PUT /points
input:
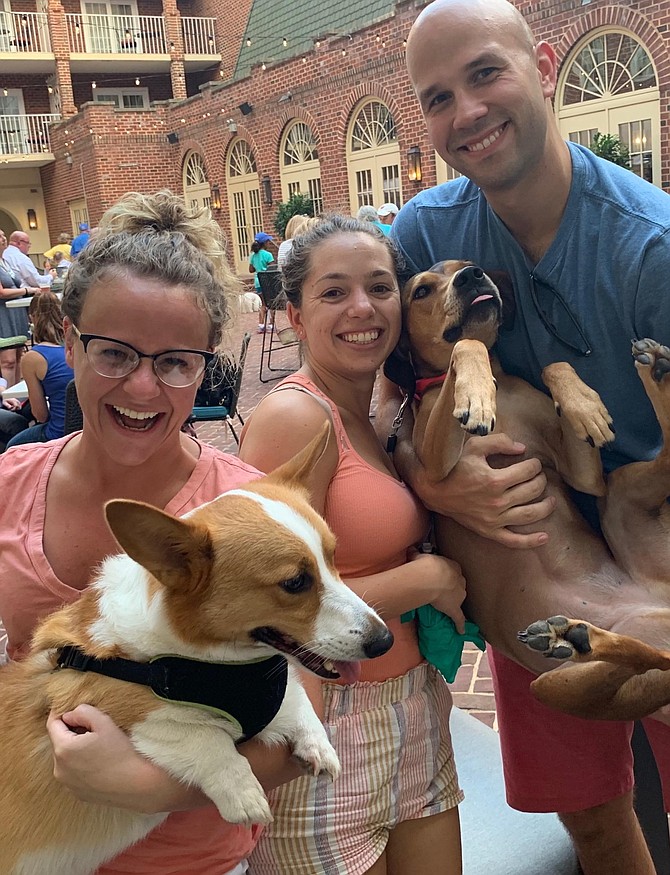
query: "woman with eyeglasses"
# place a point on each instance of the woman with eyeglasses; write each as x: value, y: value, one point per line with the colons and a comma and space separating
x: 145, y: 305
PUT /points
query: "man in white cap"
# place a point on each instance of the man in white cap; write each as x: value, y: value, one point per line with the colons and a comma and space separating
x: 387, y: 213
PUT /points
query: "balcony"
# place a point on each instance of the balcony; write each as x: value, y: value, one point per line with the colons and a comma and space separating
x: 199, y: 42
x: 132, y: 40
x: 128, y: 40
x: 24, y: 43
x: 25, y: 140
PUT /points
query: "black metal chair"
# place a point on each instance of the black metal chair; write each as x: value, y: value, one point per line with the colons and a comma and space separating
x: 217, y: 398
x: 274, y: 338
x: 74, y: 418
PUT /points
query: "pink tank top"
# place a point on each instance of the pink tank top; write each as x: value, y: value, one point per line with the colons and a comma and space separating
x: 376, y: 519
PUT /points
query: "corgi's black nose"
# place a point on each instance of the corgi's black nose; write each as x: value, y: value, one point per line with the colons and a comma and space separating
x: 469, y: 277
x: 378, y: 645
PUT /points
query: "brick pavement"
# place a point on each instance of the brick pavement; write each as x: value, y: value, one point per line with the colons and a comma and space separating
x: 472, y: 689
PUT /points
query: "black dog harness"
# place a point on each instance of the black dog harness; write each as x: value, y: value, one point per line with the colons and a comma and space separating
x: 247, y: 694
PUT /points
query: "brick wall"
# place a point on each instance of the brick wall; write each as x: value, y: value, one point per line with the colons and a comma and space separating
x: 130, y: 150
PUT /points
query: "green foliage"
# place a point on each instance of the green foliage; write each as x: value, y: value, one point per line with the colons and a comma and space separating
x: 296, y: 204
x: 611, y: 148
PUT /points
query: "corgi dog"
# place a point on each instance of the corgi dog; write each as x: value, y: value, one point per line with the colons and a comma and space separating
x: 239, y: 592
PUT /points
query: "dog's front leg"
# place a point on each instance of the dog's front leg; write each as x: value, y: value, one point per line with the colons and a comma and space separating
x: 297, y: 724
x: 585, y: 426
x: 197, y: 749
x: 466, y: 403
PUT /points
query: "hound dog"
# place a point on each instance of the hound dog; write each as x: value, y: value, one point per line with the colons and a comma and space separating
x: 452, y: 315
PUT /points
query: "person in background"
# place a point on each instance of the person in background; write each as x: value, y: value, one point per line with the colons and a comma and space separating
x: 386, y: 214
x: 45, y: 371
x: 369, y: 214
x: 63, y: 246
x: 11, y: 423
x: 295, y: 225
x: 394, y: 809
x: 14, y: 320
x: 80, y: 240
x: 259, y: 260
x: 16, y: 256
x: 153, y: 282
x: 535, y: 206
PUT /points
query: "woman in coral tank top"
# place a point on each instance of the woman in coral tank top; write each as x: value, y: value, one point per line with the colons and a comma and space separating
x: 394, y: 808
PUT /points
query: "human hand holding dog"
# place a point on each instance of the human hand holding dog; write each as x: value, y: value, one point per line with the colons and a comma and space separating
x: 488, y: 500
x: 98, y: 763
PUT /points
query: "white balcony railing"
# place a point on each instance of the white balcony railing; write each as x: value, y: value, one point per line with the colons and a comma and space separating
x: 24, y: 32
x: 116, y: 34
x: 199, y: 37
x: 26, y: 134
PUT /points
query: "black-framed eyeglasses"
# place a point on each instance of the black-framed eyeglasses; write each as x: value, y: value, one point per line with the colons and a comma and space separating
x: 557, y: 317
x: 115, y: 359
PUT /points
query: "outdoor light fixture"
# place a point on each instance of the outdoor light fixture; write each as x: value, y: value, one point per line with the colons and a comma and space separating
x: 216, y: 197
x: 266, y: 185
x: 414, y: 164
x: 32, y: 220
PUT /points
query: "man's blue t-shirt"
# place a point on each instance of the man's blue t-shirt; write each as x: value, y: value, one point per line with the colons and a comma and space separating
x: 607, y: 263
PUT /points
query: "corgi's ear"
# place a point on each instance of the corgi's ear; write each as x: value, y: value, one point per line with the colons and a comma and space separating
x: 298, y: 470
x: 178, y: 552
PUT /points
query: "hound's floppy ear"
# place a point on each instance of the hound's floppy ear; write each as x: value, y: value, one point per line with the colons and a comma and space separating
x: 504, y: 282
x: 398, y: 366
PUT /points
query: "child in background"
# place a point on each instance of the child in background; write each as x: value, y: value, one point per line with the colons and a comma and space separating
x: 45, y: 371
x: 259, y: 260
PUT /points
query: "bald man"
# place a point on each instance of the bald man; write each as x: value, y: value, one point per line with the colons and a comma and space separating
x: 586, y: 244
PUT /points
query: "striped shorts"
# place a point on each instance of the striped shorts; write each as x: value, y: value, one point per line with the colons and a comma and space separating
x: 397, y: 764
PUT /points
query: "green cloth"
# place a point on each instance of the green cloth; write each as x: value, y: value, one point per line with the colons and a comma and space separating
x: 439, y: 642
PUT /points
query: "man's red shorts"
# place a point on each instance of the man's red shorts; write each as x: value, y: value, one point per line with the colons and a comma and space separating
x: 554, y: 762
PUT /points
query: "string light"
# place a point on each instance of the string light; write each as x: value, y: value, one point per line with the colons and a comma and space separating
x: 50, y: 89
x: 94, y: 85
x: 284, y: 42
x: 137, y: 81
x: 5, y: 92
x: 263, y: 66
x: 248, y: 42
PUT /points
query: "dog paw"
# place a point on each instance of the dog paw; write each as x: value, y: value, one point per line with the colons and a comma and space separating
x: 557, y: 638
x: 317, y: 756
x: 246, y: 805
x: 476, y: 412
x: 652, y: 356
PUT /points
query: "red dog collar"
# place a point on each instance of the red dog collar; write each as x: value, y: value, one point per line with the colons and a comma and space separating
x: 422, y: 386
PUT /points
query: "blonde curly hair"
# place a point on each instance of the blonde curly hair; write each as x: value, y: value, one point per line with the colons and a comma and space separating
x: 156, y: 236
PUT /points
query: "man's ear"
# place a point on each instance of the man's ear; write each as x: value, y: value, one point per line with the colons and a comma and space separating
x: 504, y: 283
x: 547, y: 66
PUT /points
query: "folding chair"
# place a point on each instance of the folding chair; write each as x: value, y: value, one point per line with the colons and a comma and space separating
x: 217, y: 397
x: 274, y: 338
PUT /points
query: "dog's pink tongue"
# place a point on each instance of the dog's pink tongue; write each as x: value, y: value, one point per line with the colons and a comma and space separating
x: 349, y: 672
x: 481, y: 298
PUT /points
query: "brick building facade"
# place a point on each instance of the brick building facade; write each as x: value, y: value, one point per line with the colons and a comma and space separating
x: 250, y: 101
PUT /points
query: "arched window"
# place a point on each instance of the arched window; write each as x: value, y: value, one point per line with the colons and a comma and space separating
x: 197, y: 192
x: 244, y: 198
x: 609, y: 86
x: 300, y: 168
x: 373, y: 157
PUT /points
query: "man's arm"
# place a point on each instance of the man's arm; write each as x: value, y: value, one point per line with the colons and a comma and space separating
x: 483, y: 499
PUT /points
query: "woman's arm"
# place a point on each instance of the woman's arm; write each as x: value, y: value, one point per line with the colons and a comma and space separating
x: 10, y: 293
x: 34, y: 369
